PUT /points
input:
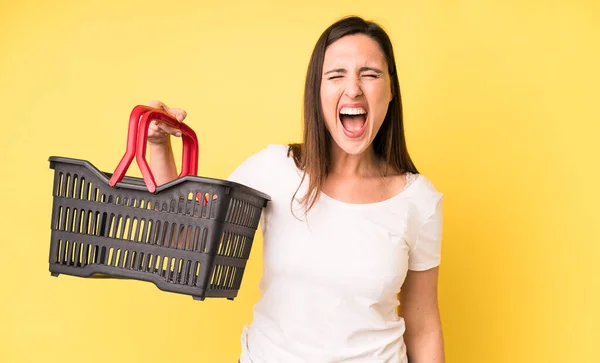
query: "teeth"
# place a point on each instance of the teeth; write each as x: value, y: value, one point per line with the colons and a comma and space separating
x: 353, y: 111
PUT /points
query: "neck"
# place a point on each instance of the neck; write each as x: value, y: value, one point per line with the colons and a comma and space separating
x: 362, y: 165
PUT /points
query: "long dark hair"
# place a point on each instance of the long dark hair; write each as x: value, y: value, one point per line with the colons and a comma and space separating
x: 312, y: 156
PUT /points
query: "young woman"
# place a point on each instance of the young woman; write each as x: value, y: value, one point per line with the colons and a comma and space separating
x: 353, y: 230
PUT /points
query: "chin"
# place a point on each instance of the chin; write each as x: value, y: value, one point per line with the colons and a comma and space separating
x: 352, y: 146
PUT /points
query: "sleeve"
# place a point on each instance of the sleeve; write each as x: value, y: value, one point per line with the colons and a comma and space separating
x: 253, y: 172
x: 426, y: 252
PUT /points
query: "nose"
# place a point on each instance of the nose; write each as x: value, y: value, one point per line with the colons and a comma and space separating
x: 352, y: 88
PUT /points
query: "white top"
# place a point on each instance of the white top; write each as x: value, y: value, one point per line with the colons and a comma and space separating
x: 330, y: 280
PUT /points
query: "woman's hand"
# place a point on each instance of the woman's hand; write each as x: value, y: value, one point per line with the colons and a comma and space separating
x: 162, y: 161
x: 159, y: 133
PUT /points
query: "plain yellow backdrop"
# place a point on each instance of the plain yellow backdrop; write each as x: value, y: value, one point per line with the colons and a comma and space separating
x: 501, y: 106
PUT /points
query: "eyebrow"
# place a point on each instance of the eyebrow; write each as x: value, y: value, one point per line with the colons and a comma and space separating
x: 362, y: 69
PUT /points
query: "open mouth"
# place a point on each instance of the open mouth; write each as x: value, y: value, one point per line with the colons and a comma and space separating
x: 353, y: 120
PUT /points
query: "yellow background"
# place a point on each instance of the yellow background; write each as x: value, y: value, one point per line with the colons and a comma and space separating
x: 501, y: 104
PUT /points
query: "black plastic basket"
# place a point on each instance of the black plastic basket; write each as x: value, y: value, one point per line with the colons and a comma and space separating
x: 191, y: 236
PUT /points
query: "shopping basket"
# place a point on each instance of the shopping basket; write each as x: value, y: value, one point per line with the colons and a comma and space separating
x: 191, y: 236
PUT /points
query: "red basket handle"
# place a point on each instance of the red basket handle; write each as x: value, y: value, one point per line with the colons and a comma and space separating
x: 137, y: 136
x: 189, y: 163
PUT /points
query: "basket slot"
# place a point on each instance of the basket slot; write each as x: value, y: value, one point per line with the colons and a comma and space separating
x: 214, y: 206
x: 110, y: 256
x: 223, y: 277
x: 86, y: 216
x: 197, y: 204
x: 196, y: 274
x: 58, y: 180
x: 76, y: 220
x: 97, y: 226
x: 215, y: 276
x: 75, y: 187
x: 76, y: 191
x: 59, y: 251
x: 128, y: 259
x: 72, y: 253
x: 86, y: 254
x: 197, y: 241
x: 176, y: 270
x: 144, y: 230
x: 69, y: 254
x: 172, y: 235
x: 237, y: 245
x: 163, y: 267
x: 126, y: 230
x: 171, y: 269
x: 243, y: 213
x: 203, y: 247
x: 64, y: 219
x: 233, y: 245
x: 124, y: 227
x: 66, y: 183
x: 224, y: 245
x: 123, y: 259
x: 180, y: 271
x: 148, y: 263
x: 230, y: 277
x: 81, y: 188
x: 59, y: 218
x: 161, y: 232
x: 186, y: 272
x: 186, y: 237
x: 135, y: 230
x: 226, y: 277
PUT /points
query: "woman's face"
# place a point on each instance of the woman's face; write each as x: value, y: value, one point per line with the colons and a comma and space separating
x: 355, y: 91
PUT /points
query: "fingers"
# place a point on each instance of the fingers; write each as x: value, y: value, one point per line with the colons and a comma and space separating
x: 157, y: 104
x: 159, y: 128
x: 177, y: 113
x: 168, y: 129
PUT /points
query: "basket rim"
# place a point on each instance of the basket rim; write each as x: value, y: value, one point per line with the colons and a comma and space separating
x: 136, y: 183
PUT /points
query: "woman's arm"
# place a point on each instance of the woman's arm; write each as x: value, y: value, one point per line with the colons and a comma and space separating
x: 419, y: 308
x: 162, y: 161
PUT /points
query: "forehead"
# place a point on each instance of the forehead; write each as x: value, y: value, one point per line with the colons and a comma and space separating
x: 354, y: 50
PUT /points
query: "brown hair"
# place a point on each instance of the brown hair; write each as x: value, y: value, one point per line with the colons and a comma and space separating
x: 312, y: 156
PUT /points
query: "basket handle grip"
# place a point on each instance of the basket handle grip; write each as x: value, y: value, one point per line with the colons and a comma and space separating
x: 189, y: 163
x: 137, y: 136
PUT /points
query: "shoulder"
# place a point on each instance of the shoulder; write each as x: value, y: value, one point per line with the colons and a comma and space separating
x: 264, y: 167
x: 426, y: 197
x: 424, y: 186
x: 267, y: 155
x: 272, y: 152
x: 279, y: 152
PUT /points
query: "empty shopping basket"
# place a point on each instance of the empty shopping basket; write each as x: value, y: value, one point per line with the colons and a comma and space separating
x: 191, y: 236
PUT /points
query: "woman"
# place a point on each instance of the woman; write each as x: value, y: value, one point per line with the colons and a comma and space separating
x: 351, y: 222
